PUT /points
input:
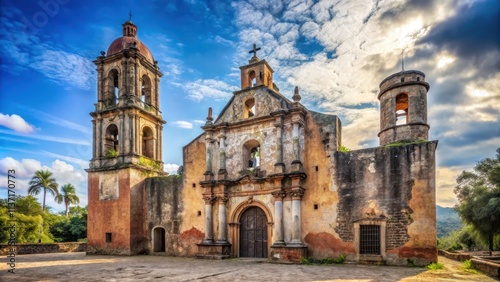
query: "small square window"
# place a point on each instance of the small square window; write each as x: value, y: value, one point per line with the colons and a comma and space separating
x: 315, y: 206
x: 194, y: 185
x: 108, y: 237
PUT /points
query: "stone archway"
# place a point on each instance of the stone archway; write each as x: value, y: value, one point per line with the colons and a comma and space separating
x: 159, y: 240
x: 253, y: 233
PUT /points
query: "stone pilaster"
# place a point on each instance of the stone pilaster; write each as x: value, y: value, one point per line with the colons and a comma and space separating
x: 279, y: 166
x: 209, y: 231
x: 94, y: 134
x: 222, y: 236
x: 296, y: 195
x: 222, y: 157
x: 278, y: 220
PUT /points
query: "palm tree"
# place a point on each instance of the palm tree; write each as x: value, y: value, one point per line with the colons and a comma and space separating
x: 43, y: 180
x: 68, y: 196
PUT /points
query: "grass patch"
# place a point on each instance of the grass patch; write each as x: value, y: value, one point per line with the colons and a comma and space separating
x: 344, y: 149
x: 111, y: 153
x: 149, y: 163
x: 467, y: 266
x: 326, y: 261
x: 405, y: 142
x: 435, y: 266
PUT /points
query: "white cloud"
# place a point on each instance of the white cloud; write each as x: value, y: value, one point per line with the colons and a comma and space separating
x: 63, y: 173
x: 209, y: 89
x: 171, y: 168
x: 85, y: 142
x: 16, y: 123
x: 183, y: 124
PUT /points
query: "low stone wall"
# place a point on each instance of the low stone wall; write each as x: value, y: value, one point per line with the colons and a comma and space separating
x: 454, y: 256
x: 488, y: 267
x: 23, y: 249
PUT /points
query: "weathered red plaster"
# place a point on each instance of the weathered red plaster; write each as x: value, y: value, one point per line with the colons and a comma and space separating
x: 325, y: 244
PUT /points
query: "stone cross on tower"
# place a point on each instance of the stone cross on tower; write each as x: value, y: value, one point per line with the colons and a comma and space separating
x: 254, y: 51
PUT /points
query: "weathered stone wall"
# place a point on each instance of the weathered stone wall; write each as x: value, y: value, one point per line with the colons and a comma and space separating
x: 320, y: 200
x: 23, y: 249
x: 120, y: 216
x: 396, y: 185
x: 192, y: 228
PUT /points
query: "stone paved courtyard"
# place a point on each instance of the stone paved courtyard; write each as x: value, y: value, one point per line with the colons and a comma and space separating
x: 80, y: 267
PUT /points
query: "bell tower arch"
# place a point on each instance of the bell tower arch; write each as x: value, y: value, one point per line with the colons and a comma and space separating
x: 127, y: 137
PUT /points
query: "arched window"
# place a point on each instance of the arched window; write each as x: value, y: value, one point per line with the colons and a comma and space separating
x: 401, y: 109
x: 252, y: 78
x: 147, y: 142
x: 251, y: 154
x: 249, y: 108
x: 146, y: 90
x: 111, y: 141
x: 113, y: 92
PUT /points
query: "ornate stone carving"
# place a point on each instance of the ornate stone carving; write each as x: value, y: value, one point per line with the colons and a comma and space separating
x: 209, y: 199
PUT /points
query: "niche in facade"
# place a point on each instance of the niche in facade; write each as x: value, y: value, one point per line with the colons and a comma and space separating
x: 251, y: 154
x: 147, y: 142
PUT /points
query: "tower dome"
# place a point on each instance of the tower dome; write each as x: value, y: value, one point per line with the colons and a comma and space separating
x: 129, y: 40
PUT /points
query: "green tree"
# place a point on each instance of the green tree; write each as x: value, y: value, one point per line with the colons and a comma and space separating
x: 478, y: 194
x: 43, y: 180
x: 68, y: 196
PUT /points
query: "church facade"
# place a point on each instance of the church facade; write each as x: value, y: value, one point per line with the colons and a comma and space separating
x: 267, y: 178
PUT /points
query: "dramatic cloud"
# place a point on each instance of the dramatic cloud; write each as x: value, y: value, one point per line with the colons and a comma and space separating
x: 22, y: 49
x: 16, y: 123
x: 338, y: 52
x: 208, y: 89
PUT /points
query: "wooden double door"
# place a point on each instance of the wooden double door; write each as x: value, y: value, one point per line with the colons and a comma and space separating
x: 253, y: 233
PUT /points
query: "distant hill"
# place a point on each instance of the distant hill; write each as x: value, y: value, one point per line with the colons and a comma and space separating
x: 447, y: 221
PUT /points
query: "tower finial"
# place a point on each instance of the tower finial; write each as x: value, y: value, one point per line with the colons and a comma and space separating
x: 296, y: 96
x: 130, y: 16
x: 402, y: 60
x: 209, y: 117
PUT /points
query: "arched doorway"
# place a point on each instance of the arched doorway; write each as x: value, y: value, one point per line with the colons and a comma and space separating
x: 159, y: 240
x: 253, y: 233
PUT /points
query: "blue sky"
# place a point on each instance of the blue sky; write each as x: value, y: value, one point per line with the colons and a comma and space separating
x: 336, y: 52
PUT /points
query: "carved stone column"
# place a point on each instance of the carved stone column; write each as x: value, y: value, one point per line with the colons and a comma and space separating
x: 278, y: 220
x: 209, y: 230
x: 279, y: 166
x: 222, y: 236
x: 296, y: 217
x: 222, y: 155
x: 94, y: 135
x: 296, y: 163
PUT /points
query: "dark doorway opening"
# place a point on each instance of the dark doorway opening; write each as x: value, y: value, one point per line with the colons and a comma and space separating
x: 253, y: 233
x: 159, y: 240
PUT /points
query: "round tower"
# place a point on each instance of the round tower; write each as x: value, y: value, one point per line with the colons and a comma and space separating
x: 403, y: 107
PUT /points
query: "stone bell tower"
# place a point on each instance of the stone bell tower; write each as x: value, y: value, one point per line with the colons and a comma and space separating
x: 403, y: 107
x: 127, y: 138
